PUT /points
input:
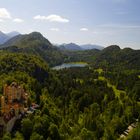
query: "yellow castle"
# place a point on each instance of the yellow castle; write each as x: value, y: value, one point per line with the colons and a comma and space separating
x: 14, y: 99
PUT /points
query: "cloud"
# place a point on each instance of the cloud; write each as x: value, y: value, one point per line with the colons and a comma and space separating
x: 4, y: 14
x: 38, y: 17
x: 52, y: 18
x: 57, y: 18
x: 84, y: 29
x: 1, y: 20
x: 55, y: 29
x: 18, y: 20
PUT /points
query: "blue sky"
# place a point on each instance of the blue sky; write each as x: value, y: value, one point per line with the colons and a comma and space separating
x: 102, y: 22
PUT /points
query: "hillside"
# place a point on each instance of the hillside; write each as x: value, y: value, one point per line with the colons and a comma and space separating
x: 34, y: 43
x: 86, y: 55
x: 114, y: 57
x: 30, y: 64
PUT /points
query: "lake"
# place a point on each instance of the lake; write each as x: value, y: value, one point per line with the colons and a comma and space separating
x: 69, y: 65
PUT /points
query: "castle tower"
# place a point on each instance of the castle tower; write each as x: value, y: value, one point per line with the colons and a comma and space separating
x: 4, y: 89
x: 19, y: 93
x: 2, y: 104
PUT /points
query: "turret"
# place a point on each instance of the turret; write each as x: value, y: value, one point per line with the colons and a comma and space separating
x: 2, y: 104
x: 4, y: 89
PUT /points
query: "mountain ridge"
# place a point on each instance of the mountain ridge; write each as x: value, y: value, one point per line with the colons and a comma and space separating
x: 25, y: 40
x: 91, y: 46
x: 4, y: 37
x: 70, y: 47
x: 76, y: 47
x: 34, y: 43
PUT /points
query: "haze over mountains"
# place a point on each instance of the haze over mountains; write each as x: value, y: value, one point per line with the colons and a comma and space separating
x: 70, y: 46
x: 75, y: 47
x: 6, y: 36
x: 35, y: 43
x: 91, y: 46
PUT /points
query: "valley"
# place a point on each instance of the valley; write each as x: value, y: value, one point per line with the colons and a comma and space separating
x: 82, y: 94
x: 70, y: 70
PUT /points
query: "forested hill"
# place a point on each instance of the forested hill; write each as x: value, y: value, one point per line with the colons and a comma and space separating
x: 29, y: 64
x: 34, y: 43
x: 114, y: 57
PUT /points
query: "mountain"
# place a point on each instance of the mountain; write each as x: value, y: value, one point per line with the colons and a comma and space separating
x: 70, y: 47
x: 90, y: 46
x: 3, y: 37
x: 33, y: 39
x: 6, y: 36
x: 12, y: 34
x: 34, y: 43
x: 75, y: 47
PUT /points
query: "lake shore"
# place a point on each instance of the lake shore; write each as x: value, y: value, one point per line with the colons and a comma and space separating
x: 69, y: 65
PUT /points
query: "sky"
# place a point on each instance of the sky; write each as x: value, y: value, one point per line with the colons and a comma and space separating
x: 101, y: 22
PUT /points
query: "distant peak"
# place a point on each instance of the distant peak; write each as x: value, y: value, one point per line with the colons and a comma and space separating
x: 13, y: 33
x: 1, y: 32
x: 71, y: 44
x: 92, y: 46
